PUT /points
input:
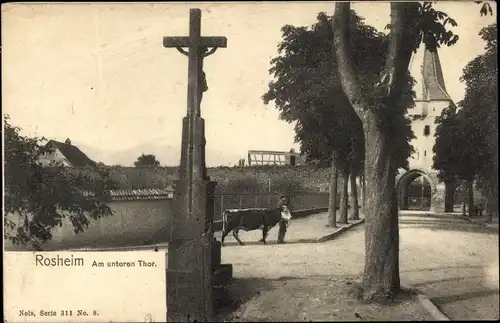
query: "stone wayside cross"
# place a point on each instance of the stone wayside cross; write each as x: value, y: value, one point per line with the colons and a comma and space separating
x: 193, y: 252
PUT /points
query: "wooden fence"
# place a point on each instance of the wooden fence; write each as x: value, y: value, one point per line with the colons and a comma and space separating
x: 298, y: 201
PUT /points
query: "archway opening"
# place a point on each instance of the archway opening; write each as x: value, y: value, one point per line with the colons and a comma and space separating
x: 414, y: 192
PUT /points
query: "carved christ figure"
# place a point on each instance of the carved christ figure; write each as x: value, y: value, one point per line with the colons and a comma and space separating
x: 203, y: 86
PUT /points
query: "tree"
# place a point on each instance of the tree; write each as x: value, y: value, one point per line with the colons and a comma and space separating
x: 332, y: 198
x: 146, y: 161
x: 473, y: 153
x: 473, y: 129
x: 307, y: 90
x: 382, y: 110
x: 41, y: 197
x: 354, y: 198
x: 446, y: 156
x: 344, y: 197
x: 463, y: 159
x: 480, y: 109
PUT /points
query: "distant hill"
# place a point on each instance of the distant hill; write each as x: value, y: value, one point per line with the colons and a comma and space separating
x: 167, y: 154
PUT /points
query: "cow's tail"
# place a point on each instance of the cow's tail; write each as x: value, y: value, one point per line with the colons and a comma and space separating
x: 224, y: 221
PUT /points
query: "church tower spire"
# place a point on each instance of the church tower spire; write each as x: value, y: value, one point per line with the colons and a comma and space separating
x: 431, y: 98
x: 432, y: 76
x: 426, y: 69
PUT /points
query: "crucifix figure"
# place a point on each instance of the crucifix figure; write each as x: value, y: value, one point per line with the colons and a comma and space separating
x: 203, y: 86
x: 193, y: 252
x: 198, y: 50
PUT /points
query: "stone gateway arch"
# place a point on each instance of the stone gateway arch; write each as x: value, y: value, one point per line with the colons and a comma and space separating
x: 429, y: 180
x: 431, y: 99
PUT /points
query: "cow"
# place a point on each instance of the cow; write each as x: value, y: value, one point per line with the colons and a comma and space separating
x: 249, y: 220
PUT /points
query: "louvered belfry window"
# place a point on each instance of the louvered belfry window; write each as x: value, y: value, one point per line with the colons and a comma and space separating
x: 427, y: 130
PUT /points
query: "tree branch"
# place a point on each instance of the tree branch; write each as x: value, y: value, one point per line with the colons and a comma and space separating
x: 404, y: 19
x: 341, y: 44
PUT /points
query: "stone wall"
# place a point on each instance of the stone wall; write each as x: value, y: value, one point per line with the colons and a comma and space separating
x: 147, y: 221
x: 134, y: 223
x: 313, y: 178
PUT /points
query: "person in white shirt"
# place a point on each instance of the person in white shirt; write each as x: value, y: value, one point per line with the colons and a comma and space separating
x: 286, y: 216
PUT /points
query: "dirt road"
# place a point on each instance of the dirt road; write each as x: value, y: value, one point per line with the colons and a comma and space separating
x: 451, y: 260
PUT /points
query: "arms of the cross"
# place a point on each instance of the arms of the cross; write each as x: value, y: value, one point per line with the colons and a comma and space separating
x: 194, y: 41
x: 199, y: 48
x: 203, y: 42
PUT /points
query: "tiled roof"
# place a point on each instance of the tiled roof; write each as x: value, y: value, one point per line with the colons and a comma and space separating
x: 426, y: 69
x: 74, y: 155
x: 433, y: 77
x: 137, y: 194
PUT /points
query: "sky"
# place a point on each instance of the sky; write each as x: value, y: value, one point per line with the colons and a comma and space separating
x: 99, y: 74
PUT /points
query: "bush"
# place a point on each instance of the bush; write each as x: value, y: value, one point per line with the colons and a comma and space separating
x: 287, y: 184
x: 244, y: 184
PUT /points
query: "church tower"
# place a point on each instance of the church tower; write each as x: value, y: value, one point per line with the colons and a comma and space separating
x: 431, y: 99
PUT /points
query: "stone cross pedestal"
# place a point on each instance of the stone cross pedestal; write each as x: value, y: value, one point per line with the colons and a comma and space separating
x: 194, y: 263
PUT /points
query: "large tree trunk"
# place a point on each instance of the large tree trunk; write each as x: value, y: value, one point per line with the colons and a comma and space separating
x: 449, y: 196
x: 489, y: 208
x: 363, y: 192
x: 354, y: 198
x: 332, y: 202
x: 492, y: 198
x: 470, y: 197
x: 381, y: 273
x: 344, y: 198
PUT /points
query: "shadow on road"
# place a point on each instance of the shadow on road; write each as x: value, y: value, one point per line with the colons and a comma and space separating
x: 272, y: 242
x: 464, y: 296
x: 310, y: 299
x: 440, y: 268
x: 450, y: 226
x: 240, y: 292
x: 461, y: 292
x: 451, y: 279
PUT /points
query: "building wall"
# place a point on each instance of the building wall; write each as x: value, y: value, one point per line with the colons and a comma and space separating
x: 53, y: 157
x: 424, y: 114
x: 423, y: 145
x: 134, y: 223
x: 299, y: 160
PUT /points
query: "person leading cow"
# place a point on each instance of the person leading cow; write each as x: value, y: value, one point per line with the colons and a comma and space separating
x: 284, y: 207
x: 256, y: 218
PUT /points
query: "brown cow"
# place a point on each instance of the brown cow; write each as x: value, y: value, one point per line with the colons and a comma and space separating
x: 249, y: 220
